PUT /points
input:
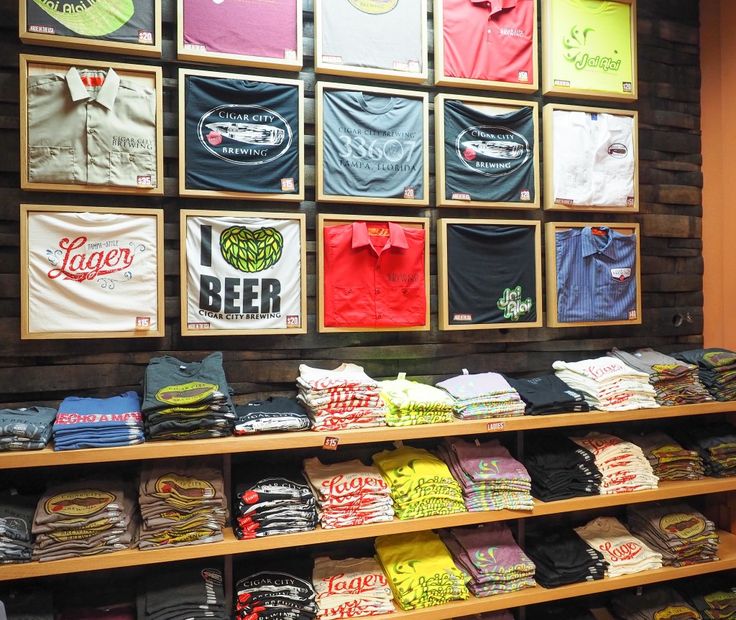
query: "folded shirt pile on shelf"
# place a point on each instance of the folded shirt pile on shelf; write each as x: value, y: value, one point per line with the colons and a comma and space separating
x: 669, y: 460
x: 16, y: 522
x: 490, y: 558
x: 675, y: 382
x: 350, y: 588
x: 181, y: 504
x: 624, y: 553
x: 273, y: 414
x: 548, y: 394
x: 657, y: 602
x: 421, y: 483
x: 26, y: 428
x: 274, y: 506
x: 713, y: 604
x: 420, y: 570
x: 680, y: 533
x: 491, y: 479
x: 562, y: 557
x: 559, y: 468
x: 183, y: 591
x: 349, y: 493
x: 342, y: 398
x: 275, y: 595
x: 716, y: 445
x: 608, y: 384
x: 98, y: 422
x: 84, y: 518
x: 622, y: 464
x: 411, y: 403
x: 716, y: 368
x: 484, y: 395
x: 187, y: 400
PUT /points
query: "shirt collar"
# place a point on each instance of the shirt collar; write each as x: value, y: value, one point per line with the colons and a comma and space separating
x: 396, y: 236
x: 106, y: 95
x: 496, y: 6
x: 590, y: 245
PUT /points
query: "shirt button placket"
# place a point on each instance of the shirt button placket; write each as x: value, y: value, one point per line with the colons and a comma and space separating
x: 93, y: 153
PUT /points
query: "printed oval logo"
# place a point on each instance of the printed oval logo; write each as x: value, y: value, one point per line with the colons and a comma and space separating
x: 186, y: 488
x: 676, y: 612
x: 245, y: 135
x: 186, y: 393
x: 374, y: 7
x: 78, y: 503
x: 492, y: 151
x: 618, y: 150
x: 682, y: 525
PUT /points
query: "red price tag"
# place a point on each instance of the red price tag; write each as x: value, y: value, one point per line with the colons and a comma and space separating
x: 331, y: 443
x: 495, y: 426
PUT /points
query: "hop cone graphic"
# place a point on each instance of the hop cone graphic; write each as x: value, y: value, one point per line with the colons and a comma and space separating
x: 251, y: 250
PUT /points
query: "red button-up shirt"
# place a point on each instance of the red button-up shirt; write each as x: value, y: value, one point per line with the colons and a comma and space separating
x: 489, y: 40
x: 374, y: 275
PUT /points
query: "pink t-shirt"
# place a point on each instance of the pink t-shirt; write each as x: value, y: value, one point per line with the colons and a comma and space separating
x: 262, y: 28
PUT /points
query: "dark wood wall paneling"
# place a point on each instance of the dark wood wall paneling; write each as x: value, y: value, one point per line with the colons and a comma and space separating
x: 671, y: 211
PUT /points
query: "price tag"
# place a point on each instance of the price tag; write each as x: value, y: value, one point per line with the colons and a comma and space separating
x: 143, y: 322
x: 145, y: 37
x: 495, y: 426
x: 144, y: 180
x: 331, y: 443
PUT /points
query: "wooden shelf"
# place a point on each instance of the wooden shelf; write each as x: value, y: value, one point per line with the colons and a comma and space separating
x: 232, y: 546
x: 310, y: 439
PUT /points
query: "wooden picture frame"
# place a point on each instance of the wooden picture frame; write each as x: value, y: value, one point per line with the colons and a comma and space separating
x: 326, y: 220
x: 144, y: 74
x: 295, y: 324
x: 101, y: 268
x: 551, y: 229
x: 297, y: 196
x: 332, y: 67
x: 408, y: 200
x: 441, y: 79
x: 551, y: 202
x: 291, y: 61
x: 495, y: 106
x: 573, y: 34
x: 443, y: 292
x: 38, y: 35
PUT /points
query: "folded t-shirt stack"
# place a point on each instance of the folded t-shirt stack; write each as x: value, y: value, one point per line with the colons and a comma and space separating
x: 342, y: 398
x: 26, y: 428
x: 411, y: 403
x: 181, y: 504
x: 608, y: 384
x: 716, y: 368
x: 548, y: 394
x: 350, y: 588
x: 273, y: 414
x: 187, y: 400
x: 559, y: 468
x: 98, y: 422
x: 562, y: 557
x: 491, y: 479
x: 421, y: 483
x: 189, y: 591
x: 680, y: 533
x: 274, y: 506
x: 275, y: 595
x: 713, y: 604
x: 624, y: 553
x: 420, y: 570
x: 84, y: 518
x: 715, y: 443
x: 669, y: 460
x: 349, y: 493
x: 653, y: 604
x: 490, y: 559
x: 676, y: 382
x: 622, y: 464
x: 16, y: 521
x: 483, y: 395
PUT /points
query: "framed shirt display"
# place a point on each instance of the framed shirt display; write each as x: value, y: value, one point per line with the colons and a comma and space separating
x: 128, y: 26
x: 372, y: 38
x: 489, y: 156
x: 91, y: 272
x: 90, y: 126
x: 590, y: 48
x: 373, y: 273
x: 243, y: 273
x: 594, y: 155
x: 240, y: 136
x: 488, y: 44
x: 489, y: 274
x: 593, y: 274
x: 372, y: 145
x: 254, y: 33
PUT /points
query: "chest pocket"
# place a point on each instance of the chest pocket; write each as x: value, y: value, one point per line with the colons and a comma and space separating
x: 132, y: 169
x: 52, y: 164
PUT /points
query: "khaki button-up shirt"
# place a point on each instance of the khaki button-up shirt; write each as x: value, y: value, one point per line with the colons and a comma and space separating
x: 91, y: 127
